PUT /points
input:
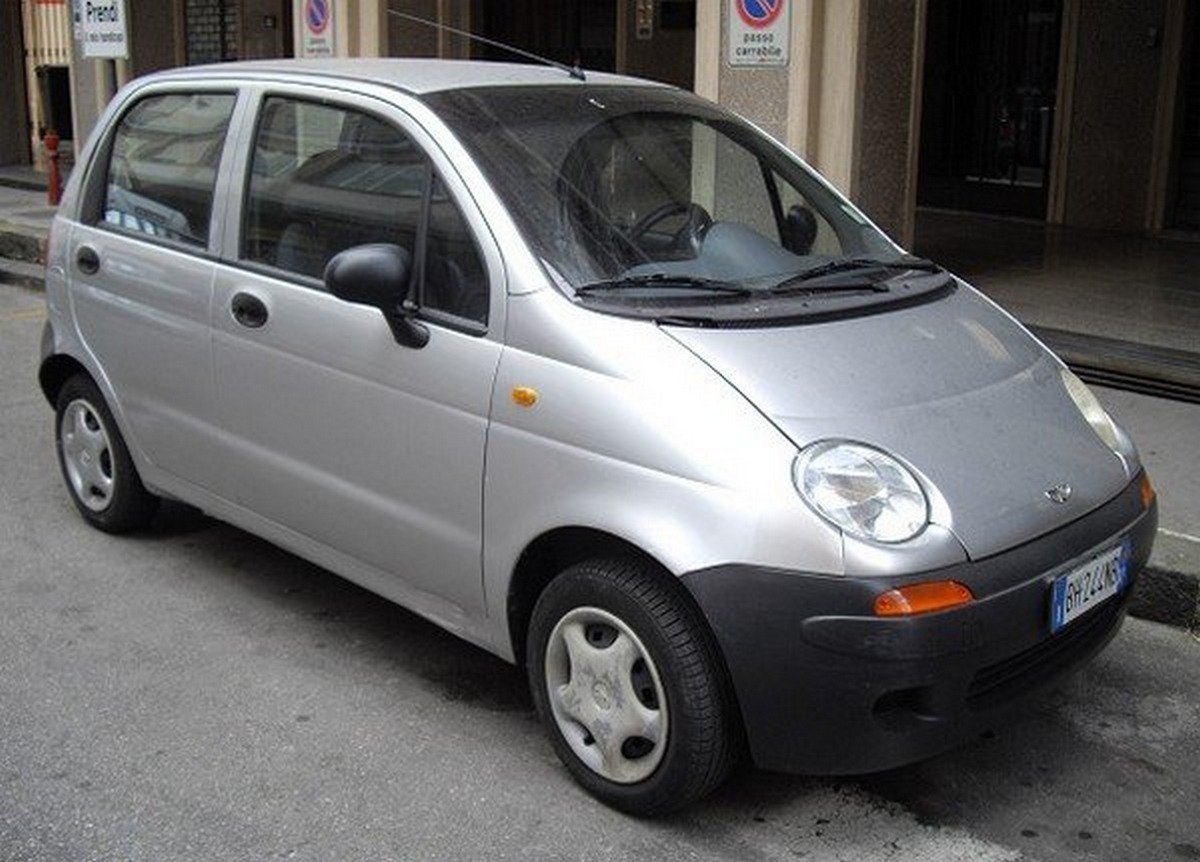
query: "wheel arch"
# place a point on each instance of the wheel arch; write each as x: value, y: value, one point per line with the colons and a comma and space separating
x: 545, y: 557
x: 56, y: 370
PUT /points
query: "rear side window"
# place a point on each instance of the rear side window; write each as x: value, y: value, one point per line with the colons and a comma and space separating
x: 324, y: 179
x: 162, y: 166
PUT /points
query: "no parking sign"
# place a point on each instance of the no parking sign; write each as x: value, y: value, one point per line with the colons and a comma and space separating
x: 758, y: 32
x: 317, y: 33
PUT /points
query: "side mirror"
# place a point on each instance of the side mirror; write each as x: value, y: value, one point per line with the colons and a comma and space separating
x: 377, y: 275
x: 799, y: 230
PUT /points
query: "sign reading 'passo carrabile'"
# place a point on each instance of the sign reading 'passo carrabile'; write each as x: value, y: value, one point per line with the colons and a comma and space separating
x: 758, y: 32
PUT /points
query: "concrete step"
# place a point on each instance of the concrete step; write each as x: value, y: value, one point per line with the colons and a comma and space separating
x: 22, y: 242
x: 1144, y: 368
x: 22, y: 274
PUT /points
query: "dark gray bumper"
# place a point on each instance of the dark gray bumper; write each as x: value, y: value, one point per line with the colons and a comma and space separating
x: 826, y: 687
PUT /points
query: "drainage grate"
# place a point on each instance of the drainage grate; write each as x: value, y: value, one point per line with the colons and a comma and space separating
x: 1143, y: 368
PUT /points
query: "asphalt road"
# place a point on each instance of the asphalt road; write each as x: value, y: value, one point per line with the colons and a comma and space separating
x: 195, y: 693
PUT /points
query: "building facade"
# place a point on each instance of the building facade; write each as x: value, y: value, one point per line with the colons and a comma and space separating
x: 1075, y: 112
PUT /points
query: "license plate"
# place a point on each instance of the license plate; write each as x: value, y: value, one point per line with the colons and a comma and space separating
x: 1086, y: 586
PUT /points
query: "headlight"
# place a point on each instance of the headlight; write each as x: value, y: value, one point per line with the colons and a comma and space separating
x: 863, y: 491
x: 1093, y: 412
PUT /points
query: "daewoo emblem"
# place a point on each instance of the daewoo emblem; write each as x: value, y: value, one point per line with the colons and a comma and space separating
x: 1059, y: 493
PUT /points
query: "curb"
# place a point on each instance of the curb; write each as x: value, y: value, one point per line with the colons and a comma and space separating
x: 1148, y: 369
x: 21, y: 244
x: 31, y: 276
x: 33, y: 184
x: 1167, y: 591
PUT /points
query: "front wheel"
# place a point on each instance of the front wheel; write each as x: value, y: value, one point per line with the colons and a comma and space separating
x: 630, y: 687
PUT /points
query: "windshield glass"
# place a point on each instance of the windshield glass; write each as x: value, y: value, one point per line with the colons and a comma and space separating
x: 622, y: 186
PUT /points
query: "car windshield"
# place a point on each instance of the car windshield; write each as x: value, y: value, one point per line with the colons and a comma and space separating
x: 630, y: 190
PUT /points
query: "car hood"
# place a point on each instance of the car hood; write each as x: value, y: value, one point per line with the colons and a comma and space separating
x: 954, y: 387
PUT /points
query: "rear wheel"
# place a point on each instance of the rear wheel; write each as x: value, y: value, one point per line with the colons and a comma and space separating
x: 99, y: 474
x: 629, y: 684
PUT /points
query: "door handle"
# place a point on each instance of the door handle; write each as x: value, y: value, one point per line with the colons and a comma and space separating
x: 248, y: 310
x: 87, y: 260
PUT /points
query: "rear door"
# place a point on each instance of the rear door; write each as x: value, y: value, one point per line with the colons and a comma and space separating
x: 332, y: 429
x: 141, y: 268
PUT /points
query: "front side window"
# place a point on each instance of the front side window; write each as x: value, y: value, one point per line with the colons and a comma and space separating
x: 324, y: 179
x: 162, y: 166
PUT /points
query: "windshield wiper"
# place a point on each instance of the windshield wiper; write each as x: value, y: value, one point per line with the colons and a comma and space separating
x: 664, y: 281
x: 850, y: 264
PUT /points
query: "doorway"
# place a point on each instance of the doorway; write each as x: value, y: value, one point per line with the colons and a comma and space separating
x: 644, y: 38
x: 989, y: 99
x: 1183, y: 209
x: 54, y: 82
x: 583, y: 32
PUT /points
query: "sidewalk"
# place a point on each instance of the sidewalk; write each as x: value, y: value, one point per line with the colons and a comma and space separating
x: 26, y: 178
x: 24, y: 225
x: 1122, y: 310
x: 1169, y: 591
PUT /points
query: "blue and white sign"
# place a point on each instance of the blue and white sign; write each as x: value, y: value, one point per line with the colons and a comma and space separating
x: 758, y: 32
x: 318, y: 35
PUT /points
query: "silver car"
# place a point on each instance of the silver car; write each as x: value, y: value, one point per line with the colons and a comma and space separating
x: 603, y: 379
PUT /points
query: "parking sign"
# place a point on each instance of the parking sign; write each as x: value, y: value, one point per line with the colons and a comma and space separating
x: 758, y: 32
x: 317, y: 32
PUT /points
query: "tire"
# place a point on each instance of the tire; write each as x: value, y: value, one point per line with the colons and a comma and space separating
x: 96, y: 467
x: 623, y: 609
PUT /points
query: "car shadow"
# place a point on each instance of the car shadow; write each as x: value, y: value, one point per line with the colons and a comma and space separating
x: 334, y: 612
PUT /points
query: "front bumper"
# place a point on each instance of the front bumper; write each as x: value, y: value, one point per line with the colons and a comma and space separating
x: 826, y: 687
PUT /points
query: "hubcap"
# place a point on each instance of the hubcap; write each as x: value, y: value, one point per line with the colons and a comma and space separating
x: 87, y: 455
x: 606, y: 695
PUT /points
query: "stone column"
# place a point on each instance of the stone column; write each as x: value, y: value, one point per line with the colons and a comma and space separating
x: 847, y: 102
x: 93, y: 84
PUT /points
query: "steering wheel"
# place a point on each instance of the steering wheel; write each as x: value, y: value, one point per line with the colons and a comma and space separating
x: 690, y: 232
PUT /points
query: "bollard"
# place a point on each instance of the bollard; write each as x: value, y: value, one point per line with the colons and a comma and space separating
x: 54, y: 184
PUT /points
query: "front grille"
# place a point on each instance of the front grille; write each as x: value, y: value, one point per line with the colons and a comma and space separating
x: 1016, y: 674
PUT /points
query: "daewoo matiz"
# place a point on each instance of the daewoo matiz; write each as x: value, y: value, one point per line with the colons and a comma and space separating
x: 606, y: 381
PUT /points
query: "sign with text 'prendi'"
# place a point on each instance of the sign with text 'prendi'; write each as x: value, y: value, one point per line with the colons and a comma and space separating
x: 102, y: 28
x: 758, y: 32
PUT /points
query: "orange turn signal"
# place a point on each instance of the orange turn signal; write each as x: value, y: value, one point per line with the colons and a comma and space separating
x: 1147, y: 491
x: 921, y: 598
x: 525, y: 396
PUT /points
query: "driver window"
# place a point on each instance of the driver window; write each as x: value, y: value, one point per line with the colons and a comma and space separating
x: 325, y: 178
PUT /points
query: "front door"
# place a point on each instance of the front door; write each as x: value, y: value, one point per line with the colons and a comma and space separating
x: 333, y: 430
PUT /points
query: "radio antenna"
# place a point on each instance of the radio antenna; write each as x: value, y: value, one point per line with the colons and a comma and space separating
x: 573, y: 71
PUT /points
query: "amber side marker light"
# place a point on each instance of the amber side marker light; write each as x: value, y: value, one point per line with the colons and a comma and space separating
x: 921, y: 599
x: 525, y: 396
x: 1147, y: 492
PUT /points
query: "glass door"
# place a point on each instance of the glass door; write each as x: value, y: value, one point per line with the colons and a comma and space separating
x: 991, y: 71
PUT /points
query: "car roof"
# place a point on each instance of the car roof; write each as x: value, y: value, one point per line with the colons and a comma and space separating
x: 412, y: 75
